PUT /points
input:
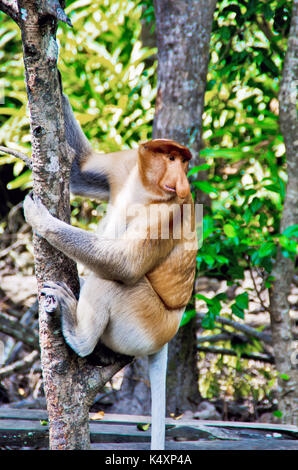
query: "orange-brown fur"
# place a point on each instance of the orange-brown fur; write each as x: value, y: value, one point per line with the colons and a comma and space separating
x: 138, y: 288
x: 139, y: 281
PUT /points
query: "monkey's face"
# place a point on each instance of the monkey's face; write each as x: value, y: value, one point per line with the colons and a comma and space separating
x: 163, y: 167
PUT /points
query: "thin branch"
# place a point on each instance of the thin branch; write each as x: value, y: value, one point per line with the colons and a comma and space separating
x: 53, y: 8
x: 20, y: 365
x: 230, y: 352
x: 248, y: 330
x: 26, y: 320
x: 264, y: 27
x: 10, y: 7
x: 17, y: 154
x: 48, y: 7
x: 19, y: 332
x: 225, y: 336
x: 267, y: 309
x: 214, y: 338
x: 9, y: 248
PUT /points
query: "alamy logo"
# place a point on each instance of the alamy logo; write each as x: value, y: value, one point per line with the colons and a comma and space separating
x: 156, y: 221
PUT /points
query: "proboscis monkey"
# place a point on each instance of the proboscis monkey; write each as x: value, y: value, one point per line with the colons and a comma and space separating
x: 141, y: 261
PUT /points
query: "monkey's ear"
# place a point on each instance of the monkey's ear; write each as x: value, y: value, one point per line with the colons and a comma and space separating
x: 166, y: 146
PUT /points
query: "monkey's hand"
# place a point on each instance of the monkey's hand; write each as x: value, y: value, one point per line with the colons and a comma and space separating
x: 58, y: 296
x: 37, y: 215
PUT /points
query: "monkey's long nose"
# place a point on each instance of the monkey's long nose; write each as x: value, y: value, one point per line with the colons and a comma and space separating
x: 182, y: 186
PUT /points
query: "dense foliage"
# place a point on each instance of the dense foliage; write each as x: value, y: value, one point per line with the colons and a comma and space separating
x: 102, y: 63
x: 243, y: 145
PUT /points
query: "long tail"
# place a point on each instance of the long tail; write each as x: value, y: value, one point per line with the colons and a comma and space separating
x: 157, y: 373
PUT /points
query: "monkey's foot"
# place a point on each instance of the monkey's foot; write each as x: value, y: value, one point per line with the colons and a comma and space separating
x: 57, y: 294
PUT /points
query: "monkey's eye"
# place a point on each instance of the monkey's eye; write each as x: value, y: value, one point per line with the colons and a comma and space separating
x: 172, y: 158
x: 184, y: 160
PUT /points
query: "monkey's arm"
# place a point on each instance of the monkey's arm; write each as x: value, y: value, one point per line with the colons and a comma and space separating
x: 93, y: 174
x: 82, y: 183
x: 120, y: 260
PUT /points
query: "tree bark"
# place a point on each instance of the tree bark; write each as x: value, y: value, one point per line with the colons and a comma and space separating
x: 283, y: 271
x: 70, y: 383
x: 183, y: 31
x: 10, y: 7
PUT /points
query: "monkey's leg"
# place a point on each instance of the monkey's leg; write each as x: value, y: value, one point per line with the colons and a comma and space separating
x: 157, y: 373
x: 83, y: 321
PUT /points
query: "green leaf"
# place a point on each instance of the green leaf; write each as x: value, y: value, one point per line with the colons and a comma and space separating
x: 23, y: 181
x: 143, y: 426
x: 238, y: 311
x: 247, y: 215
x: 291, y: 231
x: 278, y: 413
x: 204, y: 186
x: 187, y: 316
x: 202, y: 297
x: 255, y: 259
x: 273, y: 187
x: 267, y: 249
x: 229, y: 230
x: 215, y: 308
x: 249, y: 192
x: 255, y: 205
x: 221, y: 296
x: 284, y: 377
x: 222, y: 259
x: 209, y: 260
x: 208, y: 322
x: 222, y: 153
x: 242, y: 300
x: 268, y: 281
x: 263, y: 219
x: 208, y: 226
x: 196, y: 169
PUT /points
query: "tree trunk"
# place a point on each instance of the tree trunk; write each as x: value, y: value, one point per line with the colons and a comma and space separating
x: 134, y: 397
x: 183, y: 31
x: 283, y: 271
x: 284, y: 267
x: 70, y: 383
x: 182, y: 381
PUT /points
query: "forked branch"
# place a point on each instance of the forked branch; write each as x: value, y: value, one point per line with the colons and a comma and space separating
x: 10, y: 7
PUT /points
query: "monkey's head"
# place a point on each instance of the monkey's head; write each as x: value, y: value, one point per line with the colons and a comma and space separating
x: 163, y: 165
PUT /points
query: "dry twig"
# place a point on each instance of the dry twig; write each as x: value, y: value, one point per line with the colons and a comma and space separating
x: 20, y: 365
x: 17, y: 154
x: 248, y: 330
x: 13, y: 328
x: 254, y: 356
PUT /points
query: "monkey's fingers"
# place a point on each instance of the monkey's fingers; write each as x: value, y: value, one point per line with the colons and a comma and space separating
x: 51, y: 302
x: 57, y: 296
x: 60, y: 289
